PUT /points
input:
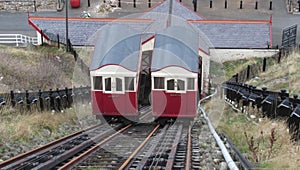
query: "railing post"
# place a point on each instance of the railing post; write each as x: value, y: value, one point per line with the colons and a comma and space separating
x: 264, y: 64
x: 34, y: 3
x: 27, y: 100
x: 256, y: 4
x: 12, y: 98
x: 241, y: 4
x: 248, y: 72
x: 270, y: 5
x: 195, y: 5
x: 119, y: 4
x: 134, y: 3
x: 210, y: 4
x: 17, y: 42
x: 89, y: 4
x: 58, y: 43
x: 149, y: 3
x: 41, y: 100
x: 42, y: 38
x: 225, y: 4
x: 51, y: 100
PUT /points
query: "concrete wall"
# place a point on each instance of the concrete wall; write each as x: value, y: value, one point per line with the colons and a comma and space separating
x: 222, y: 55
x: 27, y: 5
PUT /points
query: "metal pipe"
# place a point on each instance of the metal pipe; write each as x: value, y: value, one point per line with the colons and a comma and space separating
x: 231, y: 164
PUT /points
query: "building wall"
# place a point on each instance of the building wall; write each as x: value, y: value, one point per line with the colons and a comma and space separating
x: 222, y: 55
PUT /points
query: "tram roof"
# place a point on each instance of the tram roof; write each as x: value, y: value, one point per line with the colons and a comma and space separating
x: 175, y: 46
x: 117, y: 44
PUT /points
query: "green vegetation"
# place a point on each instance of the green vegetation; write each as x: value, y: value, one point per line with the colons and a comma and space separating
x: 263, y: 141
x: 35, y: 67
x: 233, y: 67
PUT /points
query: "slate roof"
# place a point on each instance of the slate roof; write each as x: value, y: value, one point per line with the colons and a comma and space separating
x: 219, y: 34
x: 233, y: 34
x: 81, y: 31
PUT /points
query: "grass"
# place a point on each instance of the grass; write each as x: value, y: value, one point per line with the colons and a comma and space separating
x: 35, y: 67
x: 233, y: 67
x: 285, y: 153
x: 283, y: 75
x: 15, y: 126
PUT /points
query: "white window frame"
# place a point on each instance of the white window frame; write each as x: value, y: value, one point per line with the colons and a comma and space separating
x: 195, y: 84
x: 175, y: 88
x: 93, y: 83
x: 113, y: 85
x: 134, y: 84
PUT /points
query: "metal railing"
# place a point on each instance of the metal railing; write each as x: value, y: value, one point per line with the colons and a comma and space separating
x: 17, y: 39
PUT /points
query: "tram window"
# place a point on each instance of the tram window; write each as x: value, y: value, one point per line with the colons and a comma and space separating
x: 118, y: 84
x: 159, y: 83
x: 171, y: 84
x: 191, y: 84
x: 97, y: 83
x: 129, y: 83
x: 108, y: 84
x: 180, y: 85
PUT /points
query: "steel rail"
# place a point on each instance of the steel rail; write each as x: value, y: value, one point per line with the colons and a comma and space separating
x: 151, y: 149
x: 188, y: 157
x: 84, y: 155
x: 138, y: 149
x: 172, y: 154
x: 19, y: 158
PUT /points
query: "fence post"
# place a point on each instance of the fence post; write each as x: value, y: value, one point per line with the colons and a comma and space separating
x: 149, y: 3
x: 134, y: 3
x: 12, y: 98
x: 51, y: 100
x: 241, y: 4
x: 58, y: 43
x: 256, y: 4
x: 237, y: 78
x: 89, y: 4
x: 195, y: 5
x: 248, y: 72
x: 225, y: 4
x: 27, y: 99
x: 75, y: 55
x: 41, y: 100
x: 279, y: 56
x: 270, y: 5
x: 119, y: 4
x: 58, y: 100
x: 264, y: 64
x: 210, y: 4
x: 34, y: 3
x: 42, y: 38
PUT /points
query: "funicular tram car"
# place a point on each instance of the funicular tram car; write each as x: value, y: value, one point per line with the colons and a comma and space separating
x: 174, y: 74
x: 119, y: 87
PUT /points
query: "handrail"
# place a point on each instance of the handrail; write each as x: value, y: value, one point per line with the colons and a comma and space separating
x: 17, y: 39
x: 231, y: 164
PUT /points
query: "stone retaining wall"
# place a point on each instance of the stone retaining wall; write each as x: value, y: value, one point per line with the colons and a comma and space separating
x: 27, y: 5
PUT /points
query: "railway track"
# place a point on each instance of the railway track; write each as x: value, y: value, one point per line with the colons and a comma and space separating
x: 176, y: 145
x: 50, y: 155
x: 113, y: 152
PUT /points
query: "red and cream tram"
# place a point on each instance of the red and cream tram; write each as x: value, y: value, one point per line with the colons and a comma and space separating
x: 115, y: 74
x: 174, y: 74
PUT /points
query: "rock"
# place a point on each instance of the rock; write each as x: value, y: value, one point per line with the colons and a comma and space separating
x: 217, y: 161
x: 223, y: 166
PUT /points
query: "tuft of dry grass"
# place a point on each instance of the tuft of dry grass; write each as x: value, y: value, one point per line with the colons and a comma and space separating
x: 283, y: 75
x: 32, y: 68
x: 281, y: 153
x: 15, y: 126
